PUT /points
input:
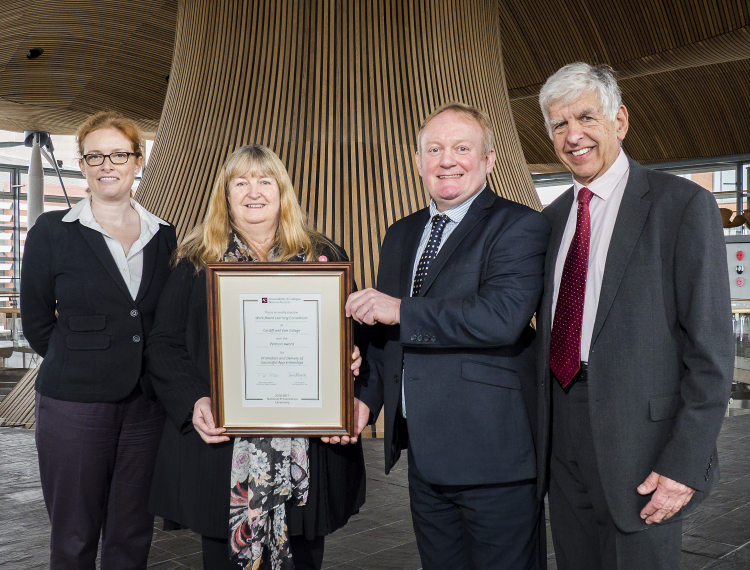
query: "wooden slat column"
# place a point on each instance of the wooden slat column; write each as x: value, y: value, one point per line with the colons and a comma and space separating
x: 337, y: 89
x: 17, y: 408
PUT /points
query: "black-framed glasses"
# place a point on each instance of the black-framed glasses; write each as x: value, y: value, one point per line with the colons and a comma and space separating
x: 95, y: 159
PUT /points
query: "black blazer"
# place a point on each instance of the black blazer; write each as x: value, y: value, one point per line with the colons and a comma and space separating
x: 93, y: 347
x: 191, y: 482
x: 464, y: 344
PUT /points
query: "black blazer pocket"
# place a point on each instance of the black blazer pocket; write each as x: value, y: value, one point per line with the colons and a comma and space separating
x: 485, y: 373
x: 87, y: 323
x: 663, y: 407
x: 87, y: 341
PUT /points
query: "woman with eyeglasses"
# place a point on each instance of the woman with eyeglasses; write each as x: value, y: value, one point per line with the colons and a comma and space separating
x: 90, y: 281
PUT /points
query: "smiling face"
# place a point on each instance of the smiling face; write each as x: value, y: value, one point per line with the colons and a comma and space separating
x: 109, y: 181
x: 254, y: 203
x: 586, y: 141
x: 451, y: 160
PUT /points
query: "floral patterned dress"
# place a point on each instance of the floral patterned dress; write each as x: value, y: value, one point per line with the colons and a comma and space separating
x: 266, y: 473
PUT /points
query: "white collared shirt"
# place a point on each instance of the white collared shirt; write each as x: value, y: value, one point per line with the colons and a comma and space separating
x: 608, y: 190
x: 456, y: 214
x: 130, y: 265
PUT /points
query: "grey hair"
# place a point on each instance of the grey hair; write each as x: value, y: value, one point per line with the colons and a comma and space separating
x: 568, y: 83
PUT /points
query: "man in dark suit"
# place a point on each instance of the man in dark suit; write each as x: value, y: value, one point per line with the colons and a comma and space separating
x: 451, y: 357
x: 636, y: 340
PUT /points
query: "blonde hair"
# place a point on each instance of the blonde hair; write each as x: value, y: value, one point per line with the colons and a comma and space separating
x: 208, y: 241
x: 467, y: 112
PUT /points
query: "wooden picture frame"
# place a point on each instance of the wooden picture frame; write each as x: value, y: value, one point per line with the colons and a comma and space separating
x: 280, y: 348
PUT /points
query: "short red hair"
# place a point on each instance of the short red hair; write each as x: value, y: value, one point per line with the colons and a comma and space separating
x: 112, y: 120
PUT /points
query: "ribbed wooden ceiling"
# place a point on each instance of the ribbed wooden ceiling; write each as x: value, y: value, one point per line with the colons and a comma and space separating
x: 683, y: 66
x: 97, y: 55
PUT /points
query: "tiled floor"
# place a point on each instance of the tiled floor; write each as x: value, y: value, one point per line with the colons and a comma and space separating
x: 717, y: 535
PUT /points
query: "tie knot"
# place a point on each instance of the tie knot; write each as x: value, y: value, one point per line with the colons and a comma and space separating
x: 440, y: 219
x: 585, y: 195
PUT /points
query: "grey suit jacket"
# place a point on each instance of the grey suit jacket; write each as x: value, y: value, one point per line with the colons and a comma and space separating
x: 662, y: 352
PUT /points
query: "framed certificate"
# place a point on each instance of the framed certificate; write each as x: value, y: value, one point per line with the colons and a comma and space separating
x: 280, y: 348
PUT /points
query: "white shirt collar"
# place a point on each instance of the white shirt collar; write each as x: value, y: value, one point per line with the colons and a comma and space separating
x: 83, y: 213
x: 456, y: 213
x: 607, y: 182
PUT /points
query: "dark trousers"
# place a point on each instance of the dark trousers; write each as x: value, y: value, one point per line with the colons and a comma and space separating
x: 306, y: 554
x: 583, y: 533
x: 478, y: 527
x: 96, y: 461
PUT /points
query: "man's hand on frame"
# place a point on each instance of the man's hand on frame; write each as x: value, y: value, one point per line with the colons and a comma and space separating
x: 370, y: 306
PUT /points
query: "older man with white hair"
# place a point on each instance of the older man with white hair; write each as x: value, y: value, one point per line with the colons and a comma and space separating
x: 636, y: 355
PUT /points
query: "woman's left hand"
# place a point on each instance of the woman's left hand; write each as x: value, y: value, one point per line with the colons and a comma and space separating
x: 356, y: 361
x: 361, y: 417
x: 356, y: 356
x: 358, y: 417
x: 356, y: 364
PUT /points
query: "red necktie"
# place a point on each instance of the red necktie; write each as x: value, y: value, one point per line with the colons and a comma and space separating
x: 565, y: 347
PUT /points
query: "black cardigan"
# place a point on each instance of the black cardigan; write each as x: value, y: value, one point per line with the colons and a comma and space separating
x: 93, y: 348
x: 192, y: 478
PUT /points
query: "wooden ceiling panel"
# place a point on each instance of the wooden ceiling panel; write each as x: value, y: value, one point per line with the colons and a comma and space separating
x: 540, y: 37
x: 111, y: 55
x: 682, y: 67
x: 690, y: 113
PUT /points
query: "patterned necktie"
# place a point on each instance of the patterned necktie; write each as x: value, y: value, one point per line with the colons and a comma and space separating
x: 565, y: 348
x: 430, y: 251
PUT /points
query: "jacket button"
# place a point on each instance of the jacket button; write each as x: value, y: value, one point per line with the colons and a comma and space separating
x: 136, y: 338
x: 395, y: 377
x: 134, y: 313
x: 414, y: 337
x: 419, y: 338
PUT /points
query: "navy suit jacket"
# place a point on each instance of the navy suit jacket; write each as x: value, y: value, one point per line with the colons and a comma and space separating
x: 464, y: 347
x: 78, y: 313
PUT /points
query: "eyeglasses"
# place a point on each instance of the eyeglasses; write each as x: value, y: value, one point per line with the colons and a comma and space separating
x: 115, y: 158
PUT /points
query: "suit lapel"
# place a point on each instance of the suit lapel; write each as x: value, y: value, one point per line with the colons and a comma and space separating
x: 411, y: 244
x: 149, y: 263
x: 101, y: 251
x: 477, y: 212
x: 631, y: 218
